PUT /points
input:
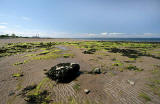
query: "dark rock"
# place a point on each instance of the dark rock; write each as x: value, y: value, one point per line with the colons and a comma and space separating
x: 40, y: 98
x: 63, y: 72
x: 127, y: 52
x: 90, y: 51
x: 95, y: 71
x: 26, y: 90
x: 44, y: 69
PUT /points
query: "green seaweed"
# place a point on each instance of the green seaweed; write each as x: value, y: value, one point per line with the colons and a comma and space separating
x: 132, y: 67
x: 76, y: 86
x: 145, y: 96
x: 68, y: 55
x: 17, y: 75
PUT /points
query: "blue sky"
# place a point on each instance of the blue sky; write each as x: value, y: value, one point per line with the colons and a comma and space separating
x: 81, y: 18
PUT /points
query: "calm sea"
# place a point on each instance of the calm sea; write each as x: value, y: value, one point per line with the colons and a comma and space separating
x: 124, y: 39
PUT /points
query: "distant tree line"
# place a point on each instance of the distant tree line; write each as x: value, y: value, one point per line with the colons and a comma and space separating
x: 15, y: 36
x: 9, y: 36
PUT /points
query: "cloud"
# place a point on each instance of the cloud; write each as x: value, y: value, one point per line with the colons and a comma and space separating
x: 2, y: 27
x: 54, y: 34
x: 91, y: 34
x: 26, y: 18
x: 115, y: 33
x: 105, y: 33
x: 3, y: 23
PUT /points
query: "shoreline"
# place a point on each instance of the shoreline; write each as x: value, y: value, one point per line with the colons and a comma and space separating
x: 16, y: 40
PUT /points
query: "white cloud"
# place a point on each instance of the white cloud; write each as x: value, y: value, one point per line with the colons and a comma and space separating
x: 105, y: 33
x: 91, y: 34
x: 2, y: 27
x: 3, y: 23
x: 115, y: 33
x: 26, y: 18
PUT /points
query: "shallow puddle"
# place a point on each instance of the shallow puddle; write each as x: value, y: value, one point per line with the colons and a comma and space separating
x: 62, y: 47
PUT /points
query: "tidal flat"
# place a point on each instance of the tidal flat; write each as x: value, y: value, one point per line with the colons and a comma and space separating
x: 129, y: 72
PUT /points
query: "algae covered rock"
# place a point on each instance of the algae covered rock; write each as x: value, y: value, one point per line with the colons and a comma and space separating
x: 63, y: 72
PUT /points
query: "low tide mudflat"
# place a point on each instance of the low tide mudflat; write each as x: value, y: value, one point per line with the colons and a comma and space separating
x: 130, y: 72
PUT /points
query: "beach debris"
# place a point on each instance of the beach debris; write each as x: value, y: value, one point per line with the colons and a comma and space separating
x: 63, y: 71
x: 131, y: 82
x: 86, y: 91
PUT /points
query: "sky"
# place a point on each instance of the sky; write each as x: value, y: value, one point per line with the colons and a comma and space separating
x: 81, y: 18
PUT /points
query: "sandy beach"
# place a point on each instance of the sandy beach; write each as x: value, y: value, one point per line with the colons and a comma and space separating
x: 129, y: 71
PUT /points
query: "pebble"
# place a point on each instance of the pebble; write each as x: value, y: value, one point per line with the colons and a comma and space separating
x: 86, y: 91
x: 131, y: 82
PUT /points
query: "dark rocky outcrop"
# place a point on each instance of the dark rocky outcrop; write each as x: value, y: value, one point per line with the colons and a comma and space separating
x: 64, y: 72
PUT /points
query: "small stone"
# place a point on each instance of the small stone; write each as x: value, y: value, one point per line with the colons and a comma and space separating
x: 131, y: 82
x: 97, y: 71
x: 44, y: 69
x: 86, y: 91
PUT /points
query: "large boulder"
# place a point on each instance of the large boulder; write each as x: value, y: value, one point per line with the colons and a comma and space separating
x: 63, y: 72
